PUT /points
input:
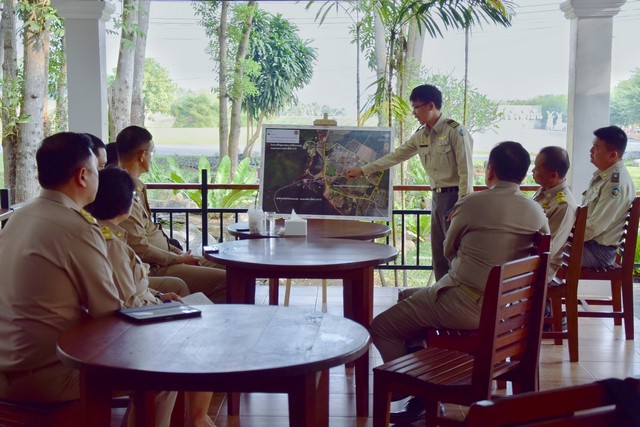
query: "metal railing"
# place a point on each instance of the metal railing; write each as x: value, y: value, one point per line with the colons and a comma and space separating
x: 206, y: 222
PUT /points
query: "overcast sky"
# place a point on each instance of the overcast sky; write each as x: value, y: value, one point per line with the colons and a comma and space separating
x: 529, y: 58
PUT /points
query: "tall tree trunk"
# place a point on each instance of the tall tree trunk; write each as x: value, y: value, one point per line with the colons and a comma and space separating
x: 254, y: 137
x: 415, y: 46
x: 137, y: 98
x: 10, y: 94
x: 122, y: 87
x: 62, y: 110
x: 381, y: 57
x: 237, y: 96
x: 223, y: 118
x: 32, y: 132
x: 48, y: 127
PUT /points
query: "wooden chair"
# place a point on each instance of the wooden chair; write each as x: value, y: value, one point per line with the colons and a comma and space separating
x: 510, y: 332
x: 564, y: 288
x: 620, y: 274
x: 597, y: 404
x: 468, y: 340
x: 14, y: 414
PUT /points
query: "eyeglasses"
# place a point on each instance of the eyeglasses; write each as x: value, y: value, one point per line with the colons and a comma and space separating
x: 415, y: 107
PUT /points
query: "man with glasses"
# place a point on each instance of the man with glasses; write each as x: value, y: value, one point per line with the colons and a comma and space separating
x: 135, y: 149
x: 445, y: 149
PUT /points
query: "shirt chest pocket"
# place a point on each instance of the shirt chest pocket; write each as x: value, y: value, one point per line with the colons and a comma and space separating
x: 443, y: 154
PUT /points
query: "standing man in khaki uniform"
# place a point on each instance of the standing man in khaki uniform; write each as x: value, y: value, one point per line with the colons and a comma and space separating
x: 135, y: 148
x: 608, y: 197
x: 487, y: 228
x: 55, y: 270
x: 554, y: 195
x: 445, y: 149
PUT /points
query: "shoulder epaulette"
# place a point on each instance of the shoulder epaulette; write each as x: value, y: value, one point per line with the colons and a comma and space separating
x: 88, y: 217
x: 108, y: 235
x: 561, y: 197
x: 453, y: 123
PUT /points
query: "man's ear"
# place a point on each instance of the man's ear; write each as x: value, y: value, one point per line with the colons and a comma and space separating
x: 80, y: 177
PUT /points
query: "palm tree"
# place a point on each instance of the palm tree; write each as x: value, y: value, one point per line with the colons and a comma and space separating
x: 286, y: 65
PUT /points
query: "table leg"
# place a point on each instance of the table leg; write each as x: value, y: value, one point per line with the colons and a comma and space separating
x: 233, y: 403
x: 95, y: 402
x: 358, y: 306
x: 309, y: 401
x: 241, y: 286
x: 274, y: 287
x: 145, y: 408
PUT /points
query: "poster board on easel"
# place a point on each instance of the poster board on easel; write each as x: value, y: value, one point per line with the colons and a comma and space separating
x: 304, y: 169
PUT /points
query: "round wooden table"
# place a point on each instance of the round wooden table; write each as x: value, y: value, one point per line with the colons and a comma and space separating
x: 233, y: 348
x: 318, y: 227
x: 353, y: 261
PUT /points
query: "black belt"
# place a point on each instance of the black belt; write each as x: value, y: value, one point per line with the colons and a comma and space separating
x: 445, y: 189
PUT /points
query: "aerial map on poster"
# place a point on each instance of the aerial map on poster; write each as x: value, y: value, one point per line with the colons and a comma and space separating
x: 304, y: 169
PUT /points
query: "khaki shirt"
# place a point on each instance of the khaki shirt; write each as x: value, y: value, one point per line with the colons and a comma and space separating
x: 445, y: 152
x: 145, y: 236
x: 560, y: 208
x: 130, y: 274
x: 489, y: 228
x: 608, y: 197
x: 54, y: 270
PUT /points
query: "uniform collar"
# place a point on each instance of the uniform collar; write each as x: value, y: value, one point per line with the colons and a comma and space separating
x: 59, y: 197
x: 553, y: 190
x: 607, y: 172
x: 140, y: 186
x: 506, y: 185
x: 116, y: 230
x: 439, y: 126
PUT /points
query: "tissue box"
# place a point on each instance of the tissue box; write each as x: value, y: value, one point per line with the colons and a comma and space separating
x: 295, y: 227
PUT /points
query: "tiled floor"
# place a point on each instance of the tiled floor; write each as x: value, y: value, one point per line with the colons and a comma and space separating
x: 603, y: 353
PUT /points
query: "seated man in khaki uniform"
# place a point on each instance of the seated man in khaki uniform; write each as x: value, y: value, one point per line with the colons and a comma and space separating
x: 135, y: 148
x: 487, y: 228
x: 608, y: 197
x: 112, y: 205
x: 554, y: 195
x: 55, y: 272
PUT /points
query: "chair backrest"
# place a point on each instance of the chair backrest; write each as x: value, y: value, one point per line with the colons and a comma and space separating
x: 627, y: 245
x: 541, y: 243
x: 572, y: 253
x: 511, y: 320
x: 594, y: 404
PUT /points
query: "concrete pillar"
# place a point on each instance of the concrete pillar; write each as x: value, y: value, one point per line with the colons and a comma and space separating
x: 84, y: 24
x: 589, y: 81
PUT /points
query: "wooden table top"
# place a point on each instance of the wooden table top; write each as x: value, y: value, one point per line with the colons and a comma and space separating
x: 318, y: 227
x: 229, y: 342
x: 302, y: 253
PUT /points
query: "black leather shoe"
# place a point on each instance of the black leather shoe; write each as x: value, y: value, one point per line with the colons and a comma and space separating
x: 414, y: 410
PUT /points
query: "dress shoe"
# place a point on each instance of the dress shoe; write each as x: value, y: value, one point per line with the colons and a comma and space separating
x: 414, y: 410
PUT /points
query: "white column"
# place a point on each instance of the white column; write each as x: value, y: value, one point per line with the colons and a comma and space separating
x: 589, y: 81
x: 84, y: 24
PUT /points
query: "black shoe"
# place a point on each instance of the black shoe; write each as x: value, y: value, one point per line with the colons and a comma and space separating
x: 414, y: 410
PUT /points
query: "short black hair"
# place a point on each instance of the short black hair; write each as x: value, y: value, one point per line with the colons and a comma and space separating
x: 130, y: 139
x: 96, y: 143
x: 510, y: 161
x: 112, y: 155
x: 556, y: 159
x: 114, y: 196
x: 60, y: 156
x: 426, y: 94
x: 614, y: 137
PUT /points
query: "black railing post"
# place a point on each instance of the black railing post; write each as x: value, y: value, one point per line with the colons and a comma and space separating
x: 5, y: 201
x: 205, y: 207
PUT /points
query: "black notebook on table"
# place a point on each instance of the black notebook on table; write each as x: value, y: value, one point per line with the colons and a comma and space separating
x: 159, y: 313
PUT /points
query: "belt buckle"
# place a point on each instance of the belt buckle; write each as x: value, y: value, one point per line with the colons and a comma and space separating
x: 438, y: 190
